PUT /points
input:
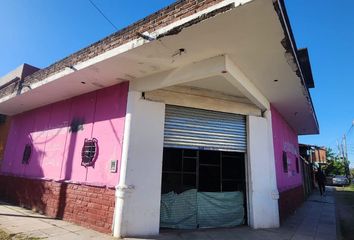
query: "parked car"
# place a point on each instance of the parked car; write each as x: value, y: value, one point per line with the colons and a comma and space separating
x: 340, y: 180
x: 329, y: 179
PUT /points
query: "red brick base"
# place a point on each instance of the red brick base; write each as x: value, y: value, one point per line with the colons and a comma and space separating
x: 289, y: 201
x: 87, y: 206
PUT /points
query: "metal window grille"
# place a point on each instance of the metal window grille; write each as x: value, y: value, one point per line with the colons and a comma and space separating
x: 89, y: 152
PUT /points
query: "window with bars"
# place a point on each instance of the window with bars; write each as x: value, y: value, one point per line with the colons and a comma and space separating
x: 89, y: 152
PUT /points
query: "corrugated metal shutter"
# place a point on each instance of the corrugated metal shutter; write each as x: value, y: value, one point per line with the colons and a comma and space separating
x: 202, y: 129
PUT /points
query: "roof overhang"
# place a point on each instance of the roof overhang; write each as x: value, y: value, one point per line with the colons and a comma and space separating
x: 306, y: 67
x: 17, y: 75
x: 261, y: 49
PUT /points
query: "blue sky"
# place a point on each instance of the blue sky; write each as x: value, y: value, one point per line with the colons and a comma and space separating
x: 326, y: 28
x: 40, y: 32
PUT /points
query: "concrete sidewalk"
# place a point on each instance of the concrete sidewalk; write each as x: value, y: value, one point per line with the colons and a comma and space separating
x: 17, y: 220
x: 314, y: 220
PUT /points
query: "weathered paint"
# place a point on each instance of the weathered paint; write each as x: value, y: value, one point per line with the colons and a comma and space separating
x: 56, y: 152
x: 285, y: 139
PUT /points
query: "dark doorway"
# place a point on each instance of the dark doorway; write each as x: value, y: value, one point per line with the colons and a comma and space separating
x: 203, y: 170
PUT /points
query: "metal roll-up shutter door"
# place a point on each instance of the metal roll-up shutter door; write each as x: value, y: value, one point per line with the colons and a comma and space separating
x: 203, y: 129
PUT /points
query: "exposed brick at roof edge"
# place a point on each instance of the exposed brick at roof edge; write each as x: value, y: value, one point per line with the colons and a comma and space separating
x: 159, y: 19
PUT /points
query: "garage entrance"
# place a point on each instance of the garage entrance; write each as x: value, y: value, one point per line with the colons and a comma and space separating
x: 204, y: 172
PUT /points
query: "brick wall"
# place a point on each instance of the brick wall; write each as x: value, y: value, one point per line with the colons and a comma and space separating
x: 162, y: 18
x: 289, y: 201
x: 88, y: 206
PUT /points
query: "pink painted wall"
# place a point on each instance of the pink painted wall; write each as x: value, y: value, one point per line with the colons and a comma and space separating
x: 56, y: 152
x: 285, y: 139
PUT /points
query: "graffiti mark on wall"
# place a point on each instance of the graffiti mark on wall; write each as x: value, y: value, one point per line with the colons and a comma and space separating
x: 290, y: 148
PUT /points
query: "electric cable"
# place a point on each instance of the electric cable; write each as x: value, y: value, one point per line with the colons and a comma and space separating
x: 99, y: 10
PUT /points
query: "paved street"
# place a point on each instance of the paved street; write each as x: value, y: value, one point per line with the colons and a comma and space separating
x: 314, y: 220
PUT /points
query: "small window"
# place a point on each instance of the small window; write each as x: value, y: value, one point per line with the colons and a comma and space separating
x: 89, y: 152
x: 297, y: 165
x: 285, y: 162
x: 27, y: 154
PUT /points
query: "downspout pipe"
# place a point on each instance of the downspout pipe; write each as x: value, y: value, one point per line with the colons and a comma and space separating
x: 122, y: 189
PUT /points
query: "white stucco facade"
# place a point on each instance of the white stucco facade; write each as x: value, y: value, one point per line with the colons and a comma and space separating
x: 138, y: 193
x: 139, y: 190
x: 226, y: 80
x: 263, y: 193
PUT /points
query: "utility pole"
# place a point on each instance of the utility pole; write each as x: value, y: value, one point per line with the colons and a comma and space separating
x: 339, y: 146
x: 347, y: 172
x: 345, y: 150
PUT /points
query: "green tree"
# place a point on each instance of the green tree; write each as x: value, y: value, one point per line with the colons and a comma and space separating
x: 336, y: 165
x: 330, y: 155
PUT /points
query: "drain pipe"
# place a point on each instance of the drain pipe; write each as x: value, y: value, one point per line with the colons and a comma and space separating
x: 122, y: 190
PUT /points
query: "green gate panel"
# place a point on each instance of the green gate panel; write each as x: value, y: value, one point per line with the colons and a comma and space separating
x: 220, y: 209
x: 192, y: 209
x: 179, y: 210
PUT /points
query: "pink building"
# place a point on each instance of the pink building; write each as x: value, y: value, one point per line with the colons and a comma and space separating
x: 105, y: 137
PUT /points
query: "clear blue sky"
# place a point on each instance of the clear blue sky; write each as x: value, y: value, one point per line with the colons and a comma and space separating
x: 40, y: 32
x: 326, y: 28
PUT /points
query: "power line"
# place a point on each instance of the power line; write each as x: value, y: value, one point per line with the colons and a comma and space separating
x: 99, y: 10
x: 351, y: 127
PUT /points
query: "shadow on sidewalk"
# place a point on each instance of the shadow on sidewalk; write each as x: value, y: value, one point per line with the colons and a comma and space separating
x: 23, y: 216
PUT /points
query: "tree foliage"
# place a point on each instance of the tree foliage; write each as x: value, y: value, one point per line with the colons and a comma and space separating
x: 336, y: 164
x: 352, y: 172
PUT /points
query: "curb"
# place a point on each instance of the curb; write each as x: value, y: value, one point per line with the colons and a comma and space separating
x: 338, y: 228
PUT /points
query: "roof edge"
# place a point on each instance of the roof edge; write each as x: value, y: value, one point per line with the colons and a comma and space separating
x: 178, y: 11
x: 306, y: 67
x: 289, y: 44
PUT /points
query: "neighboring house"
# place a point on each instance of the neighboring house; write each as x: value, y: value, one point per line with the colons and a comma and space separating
x: 208, y: 95
x: 313, y: 153
x: 13, y: 79
x: 312, y: 157
x: 320, y: 155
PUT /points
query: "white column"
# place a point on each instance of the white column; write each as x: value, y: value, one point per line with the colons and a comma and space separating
x: 263, y: 193
x: 137, y: 211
